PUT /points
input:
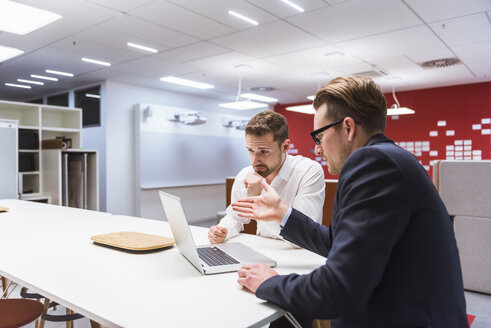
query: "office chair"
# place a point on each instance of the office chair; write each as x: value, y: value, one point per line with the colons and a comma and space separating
x: 17, y: 312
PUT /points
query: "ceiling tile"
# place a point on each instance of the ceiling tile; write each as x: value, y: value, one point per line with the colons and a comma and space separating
x: 219, y: 12
x: 76, y: 16
x: 228, y: 60
x: 438, y: 76
x: 436, y: 10
x: 267, y: 40
x: 96, y: 51
x: 153, y: 68
x: 282, y: 10
x: 355, y: 19
x: 192, y: 52
x: 122, y: 5
x: 139, y: 29
x: 474, y: 53
x: 481, y: 69
x: 116, y: 40
x: 463, y: 30
x: 397, y: 65
x: 415, y: 39
x: 422, y: 56
x: 180, y: 19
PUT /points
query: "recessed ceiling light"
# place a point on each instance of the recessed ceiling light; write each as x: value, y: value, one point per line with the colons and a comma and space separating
x: 294, y: 5
x: 8, y: 52
x: 253, y: 96
x: 311, y: 97
x: 42, y: 77
x: 59, y: 73
x: 187, y: 83
x: 21, y: 19
x: 91, y: 95
x: 399, y: 111
x: 31, y: 82
x: 18, y: 85
x: 244, y: 18
x: 243, y: 105
x: 137, y: 46
x: 306, y: 109
x: 95, y: 61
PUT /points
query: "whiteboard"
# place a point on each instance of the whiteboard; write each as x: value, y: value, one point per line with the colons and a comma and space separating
x: 171, y: 154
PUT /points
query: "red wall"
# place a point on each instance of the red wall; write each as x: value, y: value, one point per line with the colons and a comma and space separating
x: 461, y: 107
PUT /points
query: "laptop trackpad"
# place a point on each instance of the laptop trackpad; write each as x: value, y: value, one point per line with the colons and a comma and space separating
x: 245, y: 255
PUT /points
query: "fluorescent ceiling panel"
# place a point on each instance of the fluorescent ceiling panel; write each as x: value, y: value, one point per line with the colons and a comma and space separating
x: 187, y: 83
x: 243, y: 105
x: 97, y: 62
x: 42, y: 77
x: 21, y: 19
x: 258, y: 97
x: 50, y: 71
x: 18, y: 85
x: 30, y: 82
x: 306, y: 109
x: 138, y: 46
x: 244, y: 18
x: 8, y: 52
x: 399, y: 111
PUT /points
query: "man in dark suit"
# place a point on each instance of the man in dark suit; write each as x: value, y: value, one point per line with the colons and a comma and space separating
x: 392, y: 256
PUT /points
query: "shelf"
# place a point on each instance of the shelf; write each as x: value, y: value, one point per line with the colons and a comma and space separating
x: 29, y: 173
x: 28, y: 150
x: 28, y: 127
x: 54, y: 129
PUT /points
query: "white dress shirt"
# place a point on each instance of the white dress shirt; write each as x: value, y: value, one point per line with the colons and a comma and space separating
x: 300, y: 184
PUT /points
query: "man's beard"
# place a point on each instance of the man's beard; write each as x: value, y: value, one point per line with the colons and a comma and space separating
x: 268, y: 169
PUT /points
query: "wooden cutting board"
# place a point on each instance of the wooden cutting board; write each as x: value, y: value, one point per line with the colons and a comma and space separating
x: 133, y: 241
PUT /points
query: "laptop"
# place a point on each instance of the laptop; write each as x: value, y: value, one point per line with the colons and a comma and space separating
x: 208, y: 259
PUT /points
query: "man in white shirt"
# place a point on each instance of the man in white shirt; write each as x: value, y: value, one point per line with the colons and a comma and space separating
x: 298, y: 180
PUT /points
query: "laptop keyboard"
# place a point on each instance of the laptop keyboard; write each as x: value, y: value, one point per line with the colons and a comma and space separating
x: 214, y: 256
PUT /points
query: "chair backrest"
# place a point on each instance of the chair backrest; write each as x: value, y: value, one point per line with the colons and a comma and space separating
x: 465, y: 188
x: 330, y: 192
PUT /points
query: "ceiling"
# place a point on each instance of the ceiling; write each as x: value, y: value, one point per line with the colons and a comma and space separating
x: 293, y: 52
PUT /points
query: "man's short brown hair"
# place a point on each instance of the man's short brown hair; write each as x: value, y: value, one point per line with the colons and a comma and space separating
x: 268, y: 122
x: 357, y: 97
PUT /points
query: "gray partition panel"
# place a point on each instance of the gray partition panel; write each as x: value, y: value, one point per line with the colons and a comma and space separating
x: 465, y: 187
x: 8, y: 159
x: 168, y: 160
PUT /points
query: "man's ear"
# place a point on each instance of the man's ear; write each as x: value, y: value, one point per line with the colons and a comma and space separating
x: 350, y: 128
x: 285, y: 146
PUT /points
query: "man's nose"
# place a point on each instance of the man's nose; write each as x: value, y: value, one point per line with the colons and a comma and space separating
x: 318, y: 150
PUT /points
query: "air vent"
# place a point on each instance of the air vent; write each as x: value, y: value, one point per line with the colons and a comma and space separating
x: 439, y: 63
x: 374, y: 73
x: 262, y: 89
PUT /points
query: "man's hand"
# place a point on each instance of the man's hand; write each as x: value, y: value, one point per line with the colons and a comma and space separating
x: 252, y: 276
x: 217, y: 234
x: 252, y: 182
x: 267, y: 207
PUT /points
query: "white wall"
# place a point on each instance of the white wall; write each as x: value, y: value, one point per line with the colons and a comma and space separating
x: 200, y: 202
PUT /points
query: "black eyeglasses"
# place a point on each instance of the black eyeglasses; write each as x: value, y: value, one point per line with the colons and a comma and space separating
x: 324, y: 128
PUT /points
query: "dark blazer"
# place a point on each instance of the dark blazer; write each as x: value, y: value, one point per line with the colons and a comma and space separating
x: 392, y: 256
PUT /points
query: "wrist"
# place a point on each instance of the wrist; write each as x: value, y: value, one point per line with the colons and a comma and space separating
x: 281, y: 212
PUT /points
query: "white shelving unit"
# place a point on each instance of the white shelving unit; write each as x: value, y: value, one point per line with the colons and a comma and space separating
x: 41, y: 179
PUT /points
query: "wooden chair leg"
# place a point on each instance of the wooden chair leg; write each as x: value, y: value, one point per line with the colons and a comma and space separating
x: 69, y: 324
x: 41, y: 320
x: 94, y: 324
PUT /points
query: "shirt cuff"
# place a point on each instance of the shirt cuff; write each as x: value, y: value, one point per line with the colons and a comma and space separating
x: 286, y: 217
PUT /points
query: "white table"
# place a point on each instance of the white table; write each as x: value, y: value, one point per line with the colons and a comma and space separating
x: 48, y: 249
